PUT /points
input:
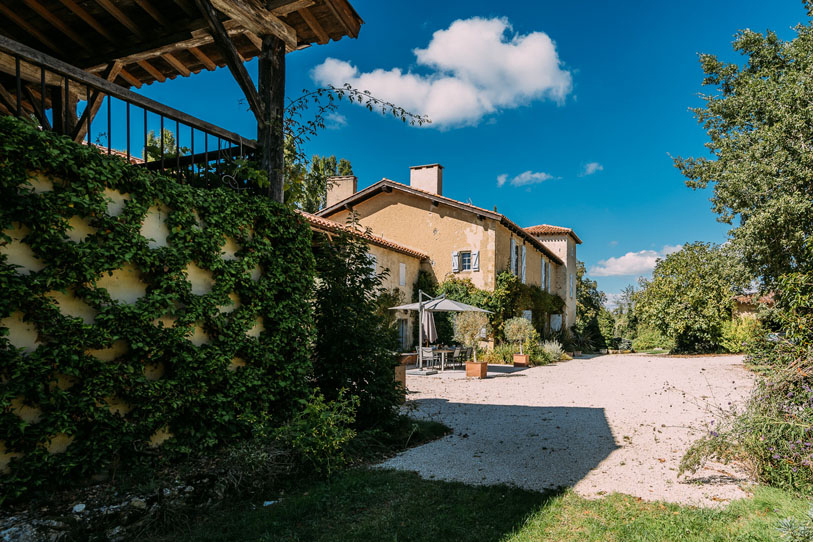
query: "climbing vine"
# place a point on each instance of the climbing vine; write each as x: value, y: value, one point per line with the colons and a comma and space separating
x: 65, y: 410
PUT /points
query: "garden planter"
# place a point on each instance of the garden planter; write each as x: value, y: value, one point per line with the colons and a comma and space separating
x: 476, y: 369
x: 400, y: 378
x: 521, y: 360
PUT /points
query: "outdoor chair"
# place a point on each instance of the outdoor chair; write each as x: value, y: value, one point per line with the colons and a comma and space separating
x: 430, y: 357
x: 457, y: 357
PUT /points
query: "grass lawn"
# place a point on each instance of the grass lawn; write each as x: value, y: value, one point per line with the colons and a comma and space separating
x: 376, y: 505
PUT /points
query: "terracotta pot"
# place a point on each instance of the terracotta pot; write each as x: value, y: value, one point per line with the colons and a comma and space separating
x: 521, y: 360
x: 476, y: 369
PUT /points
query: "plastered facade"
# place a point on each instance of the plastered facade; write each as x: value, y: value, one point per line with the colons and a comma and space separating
x: 564, y: 246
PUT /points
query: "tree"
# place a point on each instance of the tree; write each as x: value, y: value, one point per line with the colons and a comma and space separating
x: 691, y: 294
x: 170, y: 146
x: 469, y: 328
x: 306, y: 185
x: 590, y: 309
x: 624, y: 315
x: 761, y: 141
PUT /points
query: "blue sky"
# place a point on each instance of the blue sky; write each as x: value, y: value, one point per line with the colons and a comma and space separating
x: 530, y: 97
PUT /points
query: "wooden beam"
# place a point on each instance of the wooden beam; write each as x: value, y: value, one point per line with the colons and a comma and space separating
x: 254, y: 17
x: 270, y: 134
x: 130, y: 78
x: 29, y: 72
x: 16, y: 19
x: 152, y: 70
x: 177, y: 64
x: 281, y: 8
x: 57, y: 23
x: 205, y: 60
x: 232, y: 59
x: 313, y: 24
x: 95, y: 103
x: 152, y: 11
x: 254, y: 39
x: 346, y: 19
x: 199, y: 38
x: 187, y: 7
x: 80, y: 12
x: 121, y: 17
x: 8, y: 99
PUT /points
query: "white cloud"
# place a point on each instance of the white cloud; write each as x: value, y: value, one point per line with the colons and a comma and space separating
x: 475, y: 67
x: 631, y: 263
x: 612, y: 301
x: 613, y: 243
x: 524, y: 179
x: 335, y: 121
x: 592, y: 167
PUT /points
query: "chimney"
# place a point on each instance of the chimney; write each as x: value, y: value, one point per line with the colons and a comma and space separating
x: 428, y: 178
x: 340, y: 188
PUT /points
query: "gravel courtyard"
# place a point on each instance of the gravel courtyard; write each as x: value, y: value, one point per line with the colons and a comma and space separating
x: 615, y: 423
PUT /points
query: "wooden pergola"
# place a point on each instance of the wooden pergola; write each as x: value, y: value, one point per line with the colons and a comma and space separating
x: 136, y: 42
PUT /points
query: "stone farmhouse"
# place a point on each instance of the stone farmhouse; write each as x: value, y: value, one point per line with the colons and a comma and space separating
x: 457, y: 239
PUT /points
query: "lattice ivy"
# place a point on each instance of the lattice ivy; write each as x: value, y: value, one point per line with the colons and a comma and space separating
x: 207, y: 342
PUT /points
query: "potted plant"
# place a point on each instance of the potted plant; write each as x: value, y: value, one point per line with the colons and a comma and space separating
x: 519, y: 330
x: 469, y: 328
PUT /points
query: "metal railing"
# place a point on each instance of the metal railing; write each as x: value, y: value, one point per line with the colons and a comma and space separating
x: 53, y: 92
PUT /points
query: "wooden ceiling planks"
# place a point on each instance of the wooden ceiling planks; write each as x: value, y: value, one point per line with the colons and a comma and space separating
x: 156, y: 40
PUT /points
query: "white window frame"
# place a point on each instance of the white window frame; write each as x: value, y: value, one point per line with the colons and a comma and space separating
x: 402, y: 274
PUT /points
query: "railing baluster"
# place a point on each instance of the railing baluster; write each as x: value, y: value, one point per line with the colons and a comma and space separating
x: 90, y: 113
x: 42, y: 89
x: 128, y: 131
x: 206, y: 153
x: 161, y: 142
x: 19, y: 86
x: 217, y: 162
x: 65, y: 108
x: 109, y: 99
x: 145, y: 136
x: 178, y: 151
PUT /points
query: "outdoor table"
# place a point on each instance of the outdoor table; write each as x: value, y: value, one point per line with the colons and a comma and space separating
x: 443, y: 352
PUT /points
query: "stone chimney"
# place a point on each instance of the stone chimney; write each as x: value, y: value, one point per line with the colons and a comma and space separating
x: 339, y: 188
x: 428, y: 178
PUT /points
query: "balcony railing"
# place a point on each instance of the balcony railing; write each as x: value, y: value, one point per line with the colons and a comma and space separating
x: 66, y: 99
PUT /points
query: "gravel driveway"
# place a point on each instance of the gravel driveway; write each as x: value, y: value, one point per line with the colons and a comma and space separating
x: 617, y: 423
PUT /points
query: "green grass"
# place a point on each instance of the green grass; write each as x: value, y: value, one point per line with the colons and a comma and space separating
x: 369, y: 505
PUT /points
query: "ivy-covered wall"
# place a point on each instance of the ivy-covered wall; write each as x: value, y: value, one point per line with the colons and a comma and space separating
x: 138, y: 317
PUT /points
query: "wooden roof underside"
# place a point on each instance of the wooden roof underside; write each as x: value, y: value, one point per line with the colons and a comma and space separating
x: 155, y: 40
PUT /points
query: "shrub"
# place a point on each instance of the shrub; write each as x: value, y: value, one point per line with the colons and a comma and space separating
x: 738, y: 332
x: 651, y: 339
x: 319, y: 433
x: 552, y: 351
x: 355, y: 347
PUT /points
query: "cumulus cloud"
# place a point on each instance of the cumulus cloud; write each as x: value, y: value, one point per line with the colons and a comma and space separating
x: 473, y: 68
x: 592, y: 167
x: 631, y: 263
x: 524, y: 179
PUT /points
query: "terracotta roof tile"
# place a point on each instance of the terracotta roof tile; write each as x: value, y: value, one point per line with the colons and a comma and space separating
x: 547, y: 229
x: 324, y: 224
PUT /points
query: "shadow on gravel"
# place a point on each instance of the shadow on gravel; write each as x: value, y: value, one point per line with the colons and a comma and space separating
x: 536, y: 448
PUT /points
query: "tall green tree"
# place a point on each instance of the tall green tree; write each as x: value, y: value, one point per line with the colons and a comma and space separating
x: 171, y: 147
x: 306, y: 184
x: 691, y: 294
x: 590, y: 309
x: 758, y: 119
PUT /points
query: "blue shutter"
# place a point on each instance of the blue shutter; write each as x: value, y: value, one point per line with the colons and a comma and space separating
x: 475, y: 260
x: 523, y: 264
x: 455, y: 262
x: 513, y: 256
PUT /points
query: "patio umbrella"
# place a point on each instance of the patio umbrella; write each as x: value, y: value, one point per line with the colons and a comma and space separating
x: 428, y: 323
x: 438, y: 304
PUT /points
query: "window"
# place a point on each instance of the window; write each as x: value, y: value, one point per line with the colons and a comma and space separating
x: 465, y: 261
x: 373, y: 261
x: 572, y: 284
x: 402, y: 274
x: 403, y: 337
x: 543, y: 270
x: 515, y: 259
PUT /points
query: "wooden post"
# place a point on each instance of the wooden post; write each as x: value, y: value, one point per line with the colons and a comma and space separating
x: 270, y: 136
